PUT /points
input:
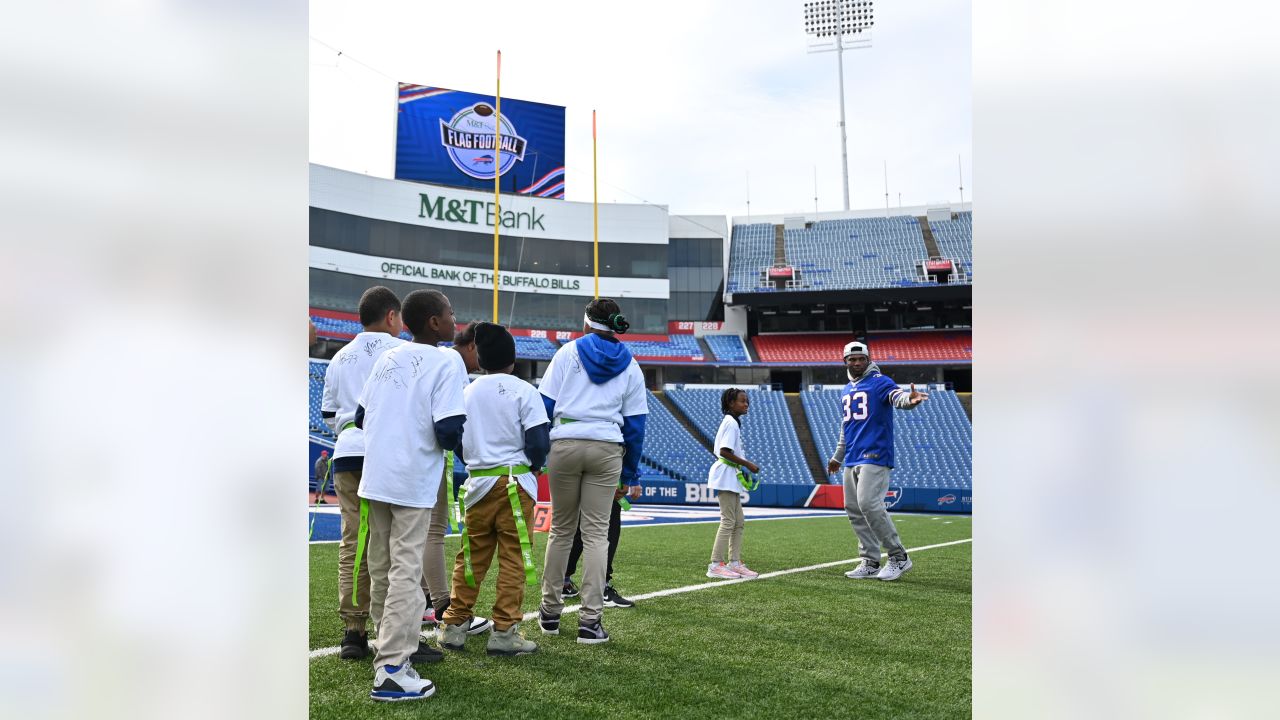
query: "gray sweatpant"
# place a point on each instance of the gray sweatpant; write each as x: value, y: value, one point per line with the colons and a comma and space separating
x: 864, y: 489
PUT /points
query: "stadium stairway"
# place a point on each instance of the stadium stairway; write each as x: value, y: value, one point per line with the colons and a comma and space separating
x: 807, y: 445
x: 966, y: 402
x: 779, y: 245
x: 684, y: 420
x: 706, y: 350
x: 929, y: 243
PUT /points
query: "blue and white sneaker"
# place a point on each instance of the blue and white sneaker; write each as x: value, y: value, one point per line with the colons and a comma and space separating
x: 395, y: 683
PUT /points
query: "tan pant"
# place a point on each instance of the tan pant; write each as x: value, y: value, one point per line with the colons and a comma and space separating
x: 583, y: 476
x: 731, y: 523
x: 492, y: 526
x: 434, y: 582
x: 396, y: 537
x: 355, y: 615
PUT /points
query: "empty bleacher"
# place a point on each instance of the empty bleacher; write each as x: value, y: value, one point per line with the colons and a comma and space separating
x: 727, y: 348
x: 676, y: 347
x: 905, y: 347
x: 750, y: 250
x: 767, y: 431
x: 932, y: 443
x: 955, y: 240
x: 857, y: 253
x: 315, y: 393
x: 668, y: 448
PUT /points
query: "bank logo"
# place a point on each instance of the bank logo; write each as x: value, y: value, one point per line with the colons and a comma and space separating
x: 468, y: 138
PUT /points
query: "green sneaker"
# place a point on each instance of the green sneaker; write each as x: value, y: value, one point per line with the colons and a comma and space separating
x: 509, y: 642
x: 453, y: 637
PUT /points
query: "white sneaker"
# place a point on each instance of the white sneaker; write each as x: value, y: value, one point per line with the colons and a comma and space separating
x: 893, y: 569
x: 863, y: 571
x: 479, y: 625
x: 721, y: 571
x: 743, y: 570
x: 396, y: 683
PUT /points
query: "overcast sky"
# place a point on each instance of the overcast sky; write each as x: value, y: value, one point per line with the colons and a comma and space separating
x: 691, y: 96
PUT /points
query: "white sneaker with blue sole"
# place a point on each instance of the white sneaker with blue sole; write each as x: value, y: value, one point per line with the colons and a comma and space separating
x: 392, y: 683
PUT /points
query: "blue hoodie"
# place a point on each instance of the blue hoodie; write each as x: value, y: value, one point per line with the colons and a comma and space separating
x: 604, y: 358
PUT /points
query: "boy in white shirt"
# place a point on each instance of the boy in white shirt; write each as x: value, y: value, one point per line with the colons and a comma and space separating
x: 411, y: 410
x: 345, y: 378
x: 435, y: 583
x: 505, y: 444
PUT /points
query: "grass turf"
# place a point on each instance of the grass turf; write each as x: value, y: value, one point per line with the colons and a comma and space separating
x: 805, y: 644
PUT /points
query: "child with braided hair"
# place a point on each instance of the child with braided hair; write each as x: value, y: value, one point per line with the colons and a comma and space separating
x: 731, y: 483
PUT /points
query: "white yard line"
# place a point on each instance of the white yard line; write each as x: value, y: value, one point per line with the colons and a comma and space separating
x: 322, y: 652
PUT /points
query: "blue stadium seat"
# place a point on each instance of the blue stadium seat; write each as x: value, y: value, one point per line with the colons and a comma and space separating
x: 728, y: 348
x: 767, y: 431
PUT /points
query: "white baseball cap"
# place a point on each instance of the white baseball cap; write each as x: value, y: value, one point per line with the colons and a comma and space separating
x: 855, y: 348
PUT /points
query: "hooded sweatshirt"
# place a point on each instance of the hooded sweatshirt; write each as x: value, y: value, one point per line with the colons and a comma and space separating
x: 594, y: 390
x: 866, y: 427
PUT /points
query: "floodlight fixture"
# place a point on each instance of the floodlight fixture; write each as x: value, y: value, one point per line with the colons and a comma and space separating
x: 840, y: 25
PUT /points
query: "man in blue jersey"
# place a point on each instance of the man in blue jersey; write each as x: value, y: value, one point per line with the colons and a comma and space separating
x: 866, y: 452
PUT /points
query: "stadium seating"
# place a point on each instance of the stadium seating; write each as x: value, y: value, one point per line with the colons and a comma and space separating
x: 728, y: 348
x: 932, y: 443
x: 931, y: 346
x: 767, y: 430
x: 677, y: 347
x: 857, y: 253
x: 315, y: 391
x: 750, y: 250
x: 668, y: 448
x: 955, y: 240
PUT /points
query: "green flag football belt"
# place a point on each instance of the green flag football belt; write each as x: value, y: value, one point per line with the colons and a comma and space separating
x: 749, y: 482
x: 346, y: 427
x: 522, y: 528
x: 453, y: 514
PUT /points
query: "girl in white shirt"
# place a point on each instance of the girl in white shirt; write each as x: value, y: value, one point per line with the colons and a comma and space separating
x: 729, y: 477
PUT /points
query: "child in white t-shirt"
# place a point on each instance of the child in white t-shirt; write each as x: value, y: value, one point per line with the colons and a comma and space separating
x: 411, y: 411
x: 504, y: 446
x: 730, y: 477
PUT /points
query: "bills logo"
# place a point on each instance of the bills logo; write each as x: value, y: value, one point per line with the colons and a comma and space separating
x: 892, y: 496
x: 468, y: 138
x: 946, y: 499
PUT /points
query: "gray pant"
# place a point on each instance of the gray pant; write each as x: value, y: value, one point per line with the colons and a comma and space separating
x: 583, y: 475
x: 864, y: 489
x: 397, y: 535
x: 729, y: 533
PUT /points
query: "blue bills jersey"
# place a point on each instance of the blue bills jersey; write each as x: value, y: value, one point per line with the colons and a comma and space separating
x: 867, y: 408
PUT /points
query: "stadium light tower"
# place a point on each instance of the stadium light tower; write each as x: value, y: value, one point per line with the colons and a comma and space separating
x: 839, y: 25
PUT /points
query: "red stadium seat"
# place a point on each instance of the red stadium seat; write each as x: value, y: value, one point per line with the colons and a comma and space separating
x: 885, y: 348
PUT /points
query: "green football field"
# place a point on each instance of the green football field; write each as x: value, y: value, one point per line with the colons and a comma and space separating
x: 801, y: 644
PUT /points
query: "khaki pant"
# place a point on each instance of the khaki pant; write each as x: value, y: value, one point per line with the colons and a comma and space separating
x: 583, y: 476
x: 434, y: 582
x: 492, y: 526
x: 353, y: 611
x: 396, y: 538
x: 732, y: 521
x: 864, y: 489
